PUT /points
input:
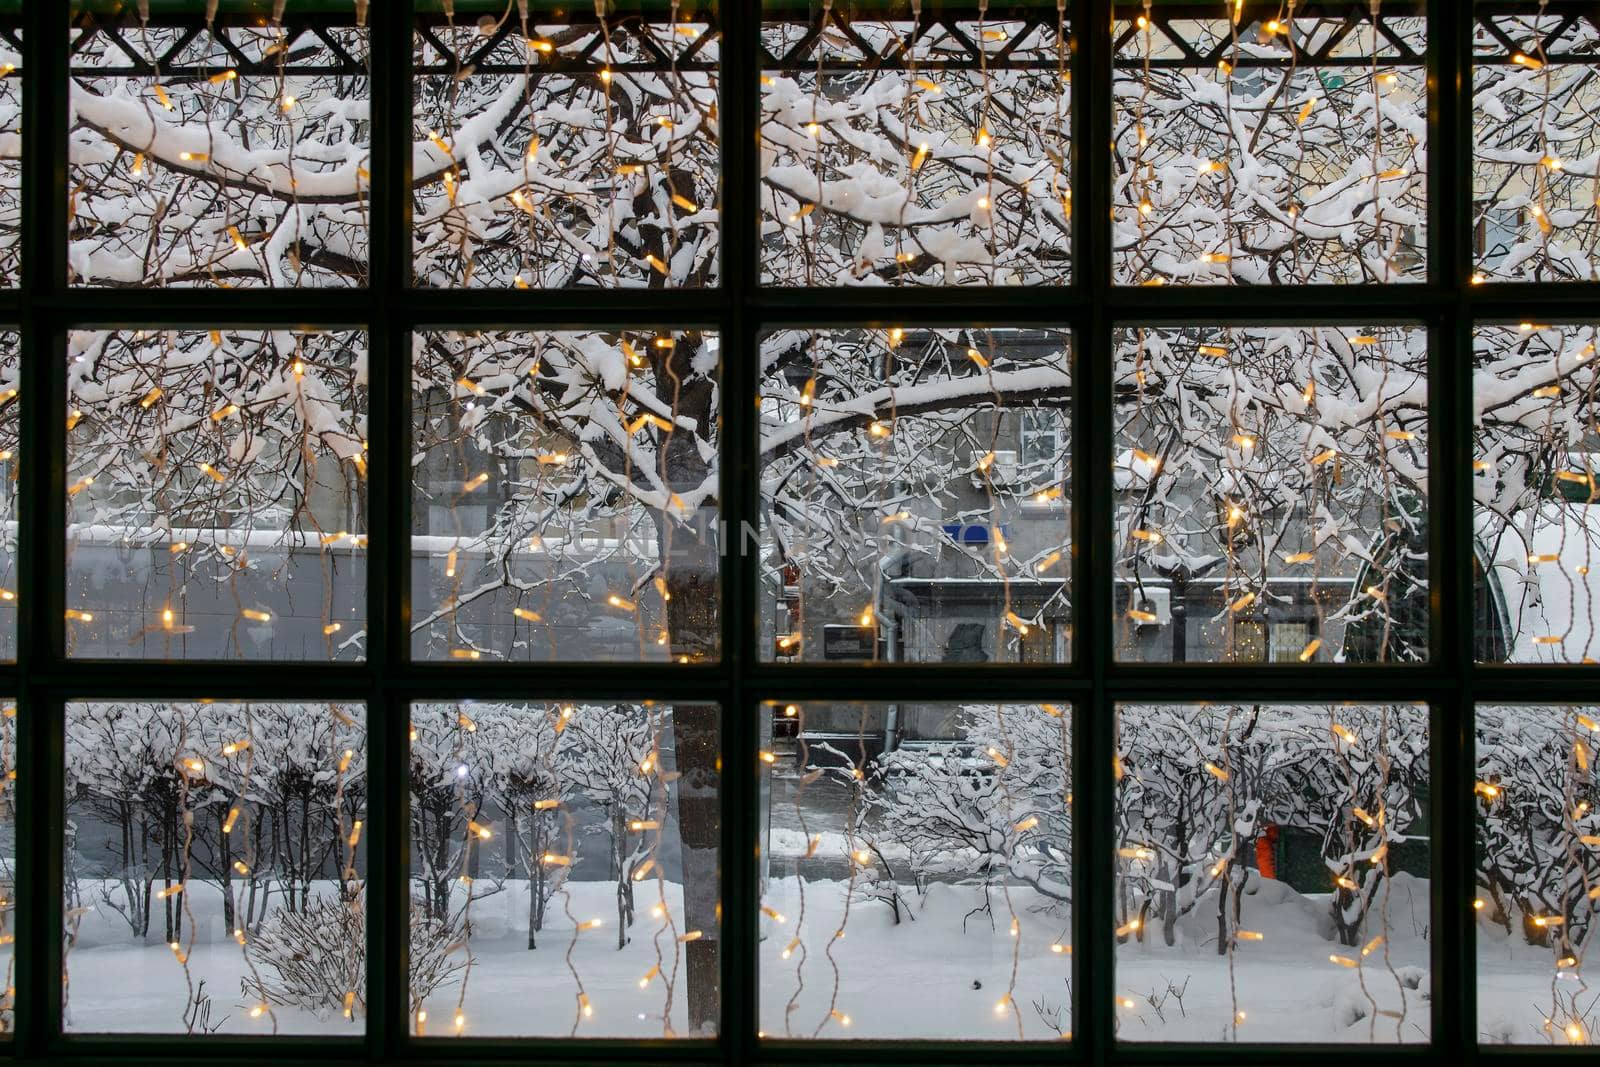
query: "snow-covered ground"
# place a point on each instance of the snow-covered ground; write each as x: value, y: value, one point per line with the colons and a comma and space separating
x: 118, y: 984
x: 941, y: 972
x: 1285, y: 985
x: 930, y: 977
x: 1520, y: 990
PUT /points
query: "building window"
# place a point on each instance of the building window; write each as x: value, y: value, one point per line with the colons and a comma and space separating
x: 687, y: 532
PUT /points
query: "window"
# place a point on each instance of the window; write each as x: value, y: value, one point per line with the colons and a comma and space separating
x: 681, y: 531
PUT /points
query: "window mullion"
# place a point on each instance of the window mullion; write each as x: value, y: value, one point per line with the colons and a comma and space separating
x: 740, y: 102
x: 388, y: 502
x: 1093, y: 731
x: 41, y: 538
x: 1451, y: 537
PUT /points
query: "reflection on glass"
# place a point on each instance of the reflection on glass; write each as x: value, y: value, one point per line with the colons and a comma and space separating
x: 916, y: 871
x: 916, y: 495
x: 1245, y: 149
x: 232, y: 156
x: 1272, y: 873
x: 10, y: 467
x: 1535, y: 505
x: 567, y: 150
x: 10, y: 153
x: 1535, y: 132
x: 215, y: 868
x: 564, y: 870
x: 565, y: 496
x: 1538, y: 812
x: 216, y: 494
x: 915, y: 148
x: 8, y: 862
x: 1271, y: 494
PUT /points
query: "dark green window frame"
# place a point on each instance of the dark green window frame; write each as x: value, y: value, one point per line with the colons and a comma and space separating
x: 44, y: 680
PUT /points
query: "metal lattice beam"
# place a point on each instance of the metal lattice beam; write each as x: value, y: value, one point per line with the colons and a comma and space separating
x: 835, y: 42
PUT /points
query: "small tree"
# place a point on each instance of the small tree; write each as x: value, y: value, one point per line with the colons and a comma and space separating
x: 612, y: 749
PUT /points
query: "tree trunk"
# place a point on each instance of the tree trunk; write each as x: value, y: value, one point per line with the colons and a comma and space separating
x: 169, y: 815
x: 252, y: 920
x: 690, y: 567
x: 1224, y: 888
x: 226, y: 841
x: 513, y: 839
x: 1169, y: 917
x: 536, y: 904
x: 441, y: 875
x: 694, y: 728
x: 146, y: 875
x: 619, y: 830
x: 536, y: 877
x: 304, y: 865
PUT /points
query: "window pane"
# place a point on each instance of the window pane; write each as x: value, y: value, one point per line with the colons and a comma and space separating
x: 1247, y: 151
x: 215, y: 868
x: 1534, y: 470
x: 216, y: 499
x: 1538, y: 873
x: 916, y: 871
x: 233, y: 156
x: 570, y: 152
x: 1271, y: 494
x: 565, y: 496
x: 10, y: 151
x: 8, y: 862
x: 916, y: 495
x: 901, y: 151
x: 10, y: 467
x: 1272, y: 873
x: 1536, y: 136
x: 564, y: 870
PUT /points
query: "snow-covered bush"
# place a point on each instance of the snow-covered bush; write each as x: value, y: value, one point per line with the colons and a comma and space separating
x: 310, y: 958
x: 315, y: 958
x: 520, y: 749
x: 996, y: 804
x: 608, y: 746
x: 1198, y: 782
x: 261, y: 798
x: 1538, y: 823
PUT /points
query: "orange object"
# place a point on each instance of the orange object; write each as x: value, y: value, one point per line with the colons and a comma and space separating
x: 1266, y: 853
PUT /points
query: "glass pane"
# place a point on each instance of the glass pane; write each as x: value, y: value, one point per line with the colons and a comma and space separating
x: 8, y: 862
x: 230, y: 156
x: 1538, y: 808
x: 916, y: 502
x: 903, y: 147
x: 564, y: 870
x: 1534, y: 470
x: 10, y: 150
x: 574, y: 151
x: 10, y: 467
x: 1271, y: 494
x: 916, y: 871
x: 1535, y: 143
x: 216, y: 494
x: 215, y: 868
x: 565, y: 500
x: 1272, y: 873
x: 1245, y: 151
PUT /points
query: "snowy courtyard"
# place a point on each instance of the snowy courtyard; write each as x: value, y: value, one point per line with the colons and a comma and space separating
x: 1267, y: 880
x: 937, y: 973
